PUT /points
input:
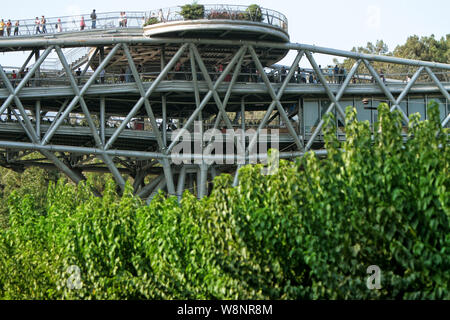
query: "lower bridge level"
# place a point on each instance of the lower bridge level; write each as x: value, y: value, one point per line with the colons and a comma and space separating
x: 135, y: 150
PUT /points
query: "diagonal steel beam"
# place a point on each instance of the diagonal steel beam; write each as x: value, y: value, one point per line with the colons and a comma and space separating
x: 24, y: 65
x: 160, y: 186
x: 141, y: 89
x: 324, y: 83
x: 28, y: 125
x: 76, y: 99
x: 275, y: 98
x: 181, y: 183
x: 332, y: 104
x: 108, y: 161
x: 194, y: 78
x: 28, y: 133
x: 442, y: 89
x: 88, y: 64
x: 446, y: 120
x: 146, y: 190
x: 58, y: 114
x: 438, y: 83
x: 150, y: 90
x: 236, y: 73
x: 161, y: 144
x: 76, y: 177
x: 221, y: 78
x: 241, y: 52
x: 408, y: 87
x: 14, y: 93
x: 385, y: 90
x: 205, y: 100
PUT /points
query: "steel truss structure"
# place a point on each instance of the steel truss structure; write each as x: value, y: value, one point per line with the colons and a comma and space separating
x: 146, y: 155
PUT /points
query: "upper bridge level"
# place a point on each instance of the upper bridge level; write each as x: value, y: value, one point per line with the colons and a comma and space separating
x: 214, y: 22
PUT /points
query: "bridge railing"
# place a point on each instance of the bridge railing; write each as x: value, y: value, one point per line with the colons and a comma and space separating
x: 224, y: 12
x: 72, y: 23
x: 137, y: 19
x: 51, y: 77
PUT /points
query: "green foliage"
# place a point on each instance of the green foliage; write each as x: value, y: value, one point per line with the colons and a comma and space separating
x: 151, y: 20
x: 309, y: 231
x: 32, y: 181
x: 193, y: 11
x: 423, y: 48
x: 254, y: 13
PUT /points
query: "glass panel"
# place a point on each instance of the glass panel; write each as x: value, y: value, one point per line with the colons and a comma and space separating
x: 311, y: 115
x: 324, y: 104
x: 364, y: 110
x: 442, y: 106
x: 417, y: 106
x: 344, y: 104
x: 404, y: 106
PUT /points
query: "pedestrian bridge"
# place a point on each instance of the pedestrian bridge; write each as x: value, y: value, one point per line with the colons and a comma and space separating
x: 120, y: 98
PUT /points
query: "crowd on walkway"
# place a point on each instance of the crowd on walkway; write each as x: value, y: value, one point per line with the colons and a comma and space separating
x: 42, y: 26
x: 7, y: 26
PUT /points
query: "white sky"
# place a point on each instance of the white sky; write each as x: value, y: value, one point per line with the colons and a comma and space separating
x: 328, y: 23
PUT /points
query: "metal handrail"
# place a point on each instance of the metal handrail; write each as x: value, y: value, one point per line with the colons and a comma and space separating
x: 222, y: 12
x: 48, y: 78
x: 137, y: 19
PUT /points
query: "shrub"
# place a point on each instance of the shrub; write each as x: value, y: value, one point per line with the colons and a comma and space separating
x: 151, y: 20
x: 309, y: 231
x: 193, y: 11
x: 254, y: 13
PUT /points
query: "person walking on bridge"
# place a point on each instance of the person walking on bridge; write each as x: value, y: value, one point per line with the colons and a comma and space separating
x: 78, y: 74
x: 8, y: 28
x: 43, y: 24
x: 2, y: 28
x: 94, y: 19
x: 124, y: 19
x: 59, y: 26
x: 37, y: 22
x: 336, y: 74
x: 16, y: 28
x: 13, y: 78
x: 82, y: 24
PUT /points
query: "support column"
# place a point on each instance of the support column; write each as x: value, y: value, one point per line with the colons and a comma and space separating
x: 203, y: 181
x: 181, y: 183
x: 38, y: 118
x: 102, y: 119
x: 164, y: 119
x: 101, y: 55
x: 243, y: 123
x: 163, y: 57
x: 37, y: 74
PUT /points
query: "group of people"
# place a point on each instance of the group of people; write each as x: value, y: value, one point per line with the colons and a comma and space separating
x: 123, y: 20
x: 339, y: 74
x: 17, y: 76
x: 41, y: 24
x: 7, y: 26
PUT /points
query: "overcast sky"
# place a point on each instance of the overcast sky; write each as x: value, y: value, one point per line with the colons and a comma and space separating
x: 329, y: 23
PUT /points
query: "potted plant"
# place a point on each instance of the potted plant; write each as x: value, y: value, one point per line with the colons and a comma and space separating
x: 151, y: 20
x: 254, y: 13
x: 219, y: 15
x: 193, y: 11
